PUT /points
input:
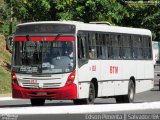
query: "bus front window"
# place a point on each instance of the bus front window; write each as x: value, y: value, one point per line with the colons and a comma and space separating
x: 58, y: 57
x: 44, y: 57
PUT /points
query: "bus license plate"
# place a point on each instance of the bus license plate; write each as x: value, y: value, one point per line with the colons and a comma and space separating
x: 42, y: 93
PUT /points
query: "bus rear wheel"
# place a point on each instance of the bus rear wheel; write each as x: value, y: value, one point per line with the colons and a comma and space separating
x: 37, y: 102
x: 129, y: 98
x: 90, y: 99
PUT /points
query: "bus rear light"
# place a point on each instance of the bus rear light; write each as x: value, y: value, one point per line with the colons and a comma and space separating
x: 14, y: 78
x: 71, y: 78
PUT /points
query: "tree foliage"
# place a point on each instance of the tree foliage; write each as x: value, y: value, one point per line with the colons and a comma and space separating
x: 142, y: 16
x: 4, y: 17
x: 91, y: 10
x: 116, y: 12
x: 33, y: 10
x: 4, y: 11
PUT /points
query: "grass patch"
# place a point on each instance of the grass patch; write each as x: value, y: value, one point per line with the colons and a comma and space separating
x: 5, y: 81
x: 5, y: 63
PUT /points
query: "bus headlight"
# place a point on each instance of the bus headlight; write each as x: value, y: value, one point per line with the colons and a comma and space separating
x: 14, y: 78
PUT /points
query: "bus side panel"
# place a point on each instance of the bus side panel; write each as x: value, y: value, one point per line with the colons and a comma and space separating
x: 143, y: 85
x: 140, y: 70
x: 147, y: 81
x: 115, y: 75
x: 126, y: 69
x: 149, y: 73
x: 140, y: 76
x: 86, y: 73
x: 149, y: 69
x: 107, y: 78
x: 121, y: 80
x: 83, y: 90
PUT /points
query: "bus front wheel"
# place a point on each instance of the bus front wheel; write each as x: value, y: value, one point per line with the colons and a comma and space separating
x: 90, y: 99
x: 37, y: 102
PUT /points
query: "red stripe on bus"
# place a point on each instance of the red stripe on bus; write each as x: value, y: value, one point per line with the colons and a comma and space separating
x: 35, y: 38
x: 45, y: 38
x: 65, y: 38
x: 20, y: 38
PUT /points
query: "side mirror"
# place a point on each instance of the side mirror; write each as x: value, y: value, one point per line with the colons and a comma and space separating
x: 9, y: 43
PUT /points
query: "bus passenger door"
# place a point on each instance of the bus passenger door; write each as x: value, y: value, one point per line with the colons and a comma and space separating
x: 83, y: 73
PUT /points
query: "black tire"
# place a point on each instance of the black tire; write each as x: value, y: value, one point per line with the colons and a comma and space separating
x: 90, y: 100
x: 37, y: 102
x: 129, y: 98
x: 131, y: 92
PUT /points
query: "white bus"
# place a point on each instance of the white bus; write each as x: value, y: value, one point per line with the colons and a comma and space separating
x: 68, y: 60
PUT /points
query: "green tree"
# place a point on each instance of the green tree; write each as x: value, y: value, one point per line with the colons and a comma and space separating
x: 143, y: 16
x: 4, y: 17
x: 152, y: 21
x: 33, y: 10
x: 91, y: 10
x: 3, y: 11
x: 114, y: 11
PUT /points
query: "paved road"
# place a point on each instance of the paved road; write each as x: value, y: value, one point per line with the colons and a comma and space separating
x: 149, y: 96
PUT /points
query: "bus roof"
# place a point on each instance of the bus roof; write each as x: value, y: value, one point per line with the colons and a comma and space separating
x: 97, y: 27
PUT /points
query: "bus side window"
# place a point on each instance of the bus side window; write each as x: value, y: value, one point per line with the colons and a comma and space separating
x: 139, y: 53
x: 92, y: 49
x: 109, y: 46
x: 135, y: 46
x: 126, y: 43
x: 147, y: 47
x: 114, y: 47
x: 81, y: 47
x: 104, y: 46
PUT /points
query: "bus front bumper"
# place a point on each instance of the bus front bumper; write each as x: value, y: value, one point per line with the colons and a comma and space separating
x: 68, y: 92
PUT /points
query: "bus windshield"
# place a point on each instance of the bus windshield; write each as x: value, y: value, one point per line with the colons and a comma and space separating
x: 44, y: 57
